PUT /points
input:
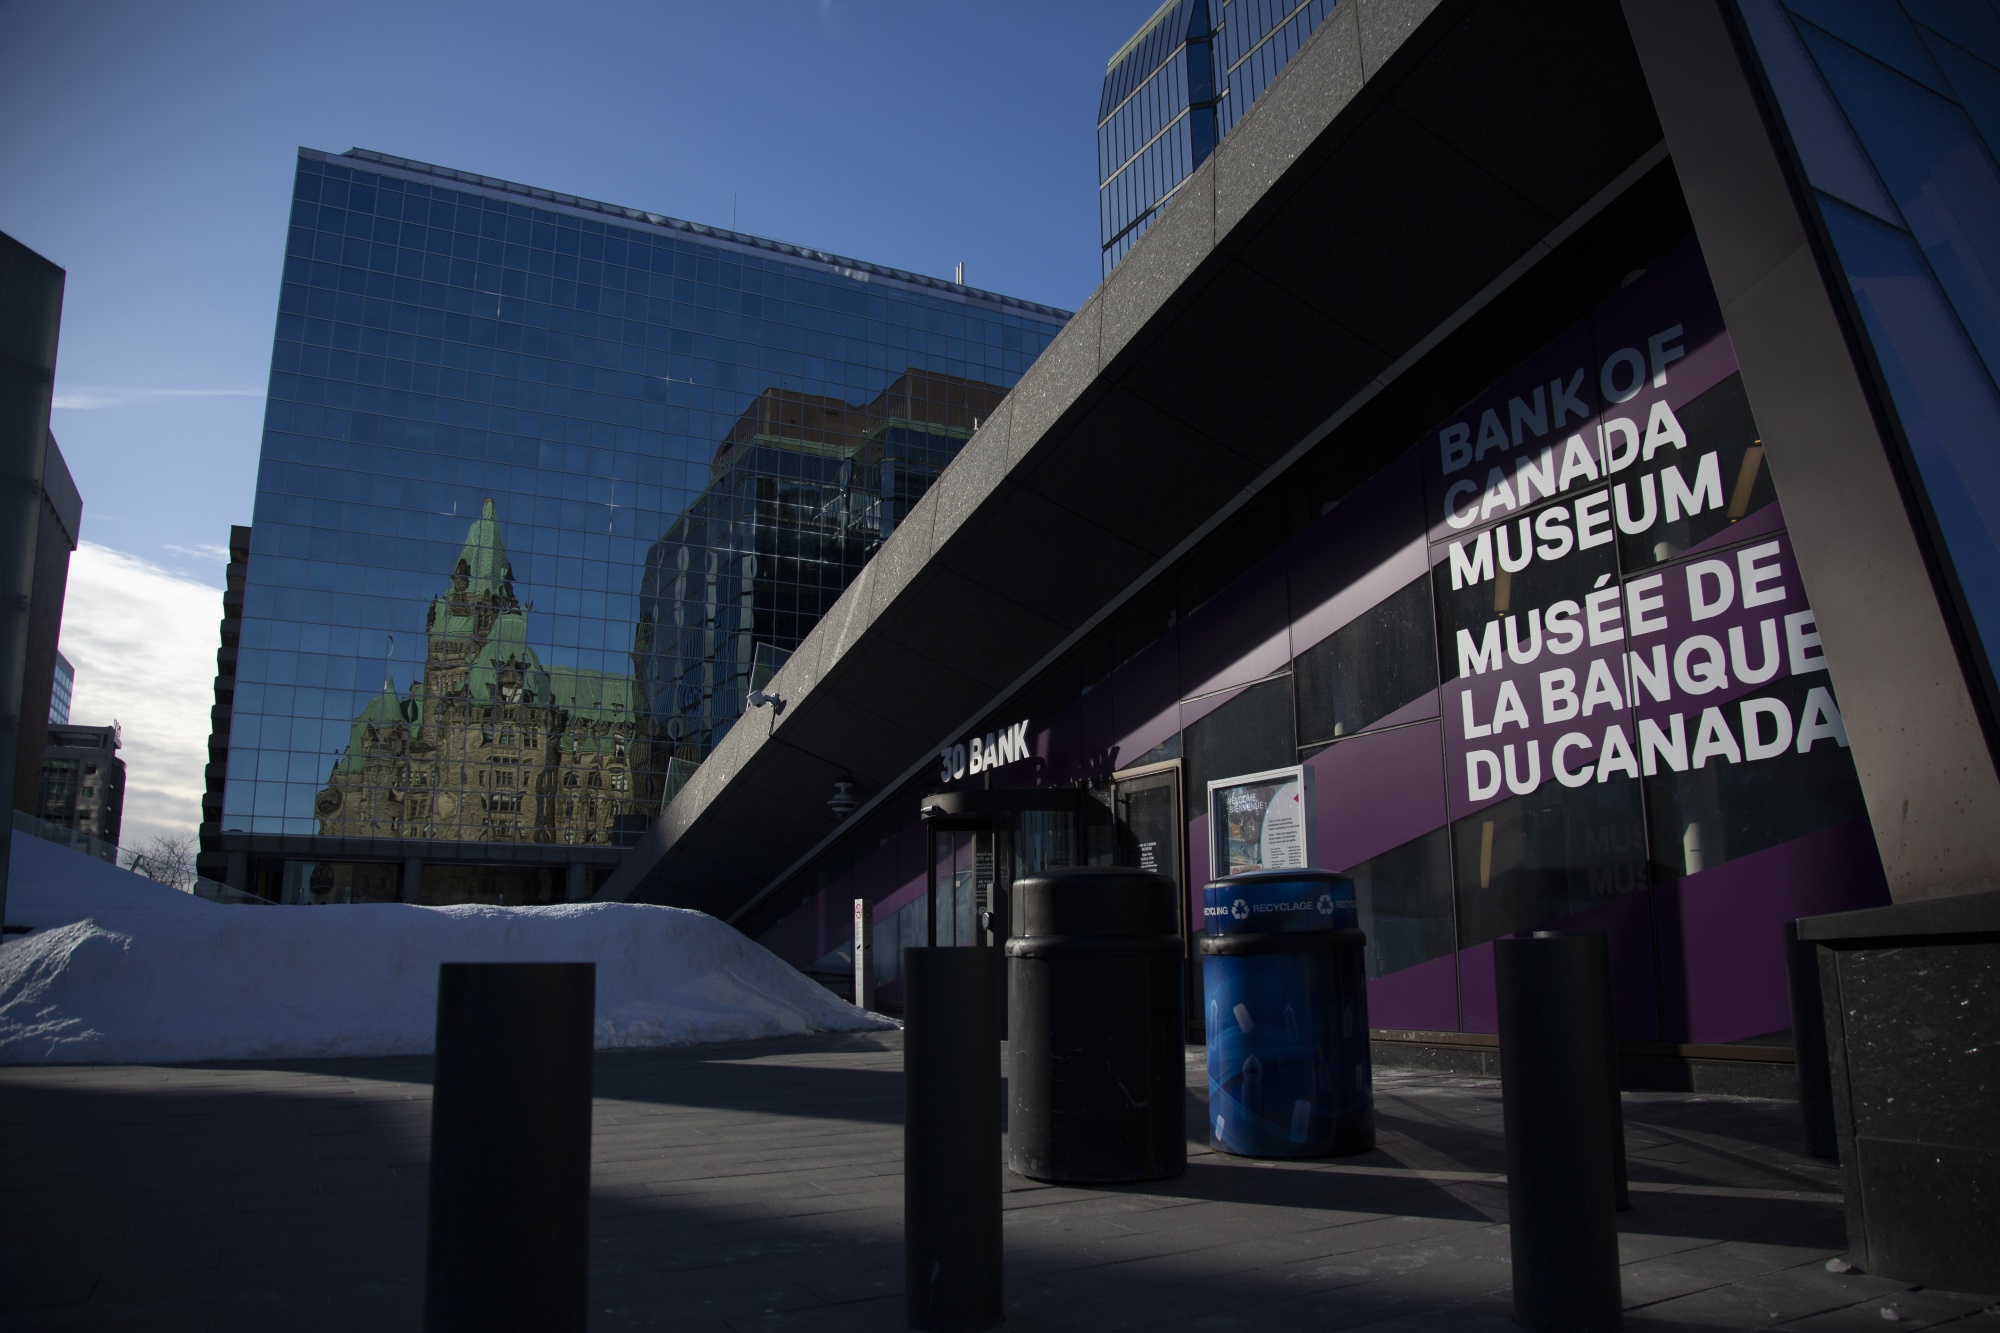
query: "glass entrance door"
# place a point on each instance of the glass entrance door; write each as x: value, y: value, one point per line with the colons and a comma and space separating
x: 1151, y: 835
x: 962, y: 886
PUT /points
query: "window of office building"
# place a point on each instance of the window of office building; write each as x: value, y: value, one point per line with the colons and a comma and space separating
x: 1172, y: 92
x: 541, y: 481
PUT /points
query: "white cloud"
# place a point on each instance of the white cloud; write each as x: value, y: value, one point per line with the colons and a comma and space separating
x: 143, y: 641
x: 201, y: 551
x: 84, y: 397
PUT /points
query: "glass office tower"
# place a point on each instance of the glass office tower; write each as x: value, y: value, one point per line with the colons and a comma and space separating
x: 1172, y: 91
x: 801, y: 491
x: 62, y: 686
x: 542, y: 480
x: 1894, y: 113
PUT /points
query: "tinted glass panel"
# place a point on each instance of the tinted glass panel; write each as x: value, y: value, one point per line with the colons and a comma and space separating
x: 1369, y: 669
x: 1249, y: 734
x: 1405, y: 900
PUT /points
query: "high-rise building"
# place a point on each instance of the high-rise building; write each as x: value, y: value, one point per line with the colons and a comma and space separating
x: 61, y: 686
x: 802, y: 491
x: 211, y: 861
x: 83, y: 781
x: 542, y: 478
x: 40, y: 515
x: 1174, y: 90
x: 57, y: 525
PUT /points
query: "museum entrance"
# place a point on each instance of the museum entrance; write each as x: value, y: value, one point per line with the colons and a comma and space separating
x: 1151, y: 834
x: 981, y: 842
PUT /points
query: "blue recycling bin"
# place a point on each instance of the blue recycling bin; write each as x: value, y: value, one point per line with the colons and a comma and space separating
x: 1286, y: 998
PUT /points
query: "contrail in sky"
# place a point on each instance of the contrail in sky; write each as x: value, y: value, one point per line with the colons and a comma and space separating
x: 83, y: 397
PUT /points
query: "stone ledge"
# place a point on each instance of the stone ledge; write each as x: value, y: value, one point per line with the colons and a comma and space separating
x: 1713, y: 1070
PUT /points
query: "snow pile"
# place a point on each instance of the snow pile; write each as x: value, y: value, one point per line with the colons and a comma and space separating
x: 48, y: 885
x: 121, y: 970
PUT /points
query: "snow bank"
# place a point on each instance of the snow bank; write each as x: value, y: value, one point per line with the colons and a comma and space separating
x: 48, y: 885
x: 120, y: 970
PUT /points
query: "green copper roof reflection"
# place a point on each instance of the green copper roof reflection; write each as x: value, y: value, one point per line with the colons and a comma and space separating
x: 595, y: 695
x: 384, y: 710
x: 507, y: 647
x: 483, y: 555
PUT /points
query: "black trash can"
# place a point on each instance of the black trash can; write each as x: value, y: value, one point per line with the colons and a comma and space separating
x: 1286, y: 993
x: 1097, y: 1073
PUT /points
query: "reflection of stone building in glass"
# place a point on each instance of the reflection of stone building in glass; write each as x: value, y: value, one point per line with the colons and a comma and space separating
x: 443, y: 337
x: 801, y: 492
x: 490, y: 745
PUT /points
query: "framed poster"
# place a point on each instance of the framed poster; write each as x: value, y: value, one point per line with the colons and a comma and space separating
x: 1260, y: 821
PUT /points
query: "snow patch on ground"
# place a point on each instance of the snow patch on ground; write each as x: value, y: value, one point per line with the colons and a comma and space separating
x: 120, y: 970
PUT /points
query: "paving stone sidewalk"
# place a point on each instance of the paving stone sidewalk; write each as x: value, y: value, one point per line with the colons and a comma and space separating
x: 758, y: 1185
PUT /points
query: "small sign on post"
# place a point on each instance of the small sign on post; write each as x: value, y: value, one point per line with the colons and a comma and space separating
x: 864, y: 955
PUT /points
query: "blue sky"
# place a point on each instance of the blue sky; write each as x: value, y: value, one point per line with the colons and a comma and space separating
x: 148, y: 150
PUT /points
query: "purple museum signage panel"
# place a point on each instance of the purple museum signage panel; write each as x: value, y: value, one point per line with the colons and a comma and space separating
x: 1423, y: 998
x: 1555, y: 666
x: 1627, y: 923
x: 1672, y: 670
x: 1585, y: 409
x: 1722, y: 963
x: 1376, y: 792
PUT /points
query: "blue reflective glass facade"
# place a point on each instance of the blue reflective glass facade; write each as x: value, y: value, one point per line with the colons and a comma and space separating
x: 541, y: 479
x: 1894, y: 110
x: 62, y: 687
x: 1253, y: 41
x: 1174, y: 90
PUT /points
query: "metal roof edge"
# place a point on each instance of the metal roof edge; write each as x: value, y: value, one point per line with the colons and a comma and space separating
x: 761, y: 246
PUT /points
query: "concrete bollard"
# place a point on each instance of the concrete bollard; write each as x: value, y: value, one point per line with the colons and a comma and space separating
x: 509, y: 1233
x: 1555, y: 1066
x: 951, y: 1140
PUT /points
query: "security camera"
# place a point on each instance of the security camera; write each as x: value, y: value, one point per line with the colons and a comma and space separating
x: 842, y: 802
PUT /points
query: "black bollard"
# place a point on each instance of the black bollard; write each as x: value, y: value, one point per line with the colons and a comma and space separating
x: 951, y: 1140
x: 1555, y: 1057
x: 1600, y: 999
x: 1809, y: 1044
x: 509, y: 1237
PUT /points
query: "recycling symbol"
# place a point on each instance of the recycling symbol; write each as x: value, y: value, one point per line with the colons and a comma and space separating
x: 1326, y: 904
x: 1241, y: 910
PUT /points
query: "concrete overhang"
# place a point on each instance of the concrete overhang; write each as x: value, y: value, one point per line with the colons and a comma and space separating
x: 1411, y: 161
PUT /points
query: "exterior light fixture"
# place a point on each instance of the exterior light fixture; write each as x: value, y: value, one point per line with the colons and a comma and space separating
x: 842, y: 802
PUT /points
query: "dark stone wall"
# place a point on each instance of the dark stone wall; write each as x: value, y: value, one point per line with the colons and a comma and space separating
x: 1911, y: 1000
